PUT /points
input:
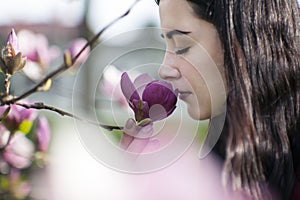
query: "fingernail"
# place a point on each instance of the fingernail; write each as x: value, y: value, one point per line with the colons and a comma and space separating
x: 155, y: 142
x: 129, y: 124
x: 146, y: 131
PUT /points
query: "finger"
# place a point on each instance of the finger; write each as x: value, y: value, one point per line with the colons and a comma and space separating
x: 125, y: 141
x: 130, y: 127
x: 127, y: 137
x: 138, y: 145
x: 144, y: 132
x: 153, y: 145
x: 141, y: 140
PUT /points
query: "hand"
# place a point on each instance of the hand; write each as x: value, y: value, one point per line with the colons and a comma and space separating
x: 136, y: 138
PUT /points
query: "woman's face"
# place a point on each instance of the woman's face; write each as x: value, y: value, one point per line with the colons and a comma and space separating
x: 194, y: 58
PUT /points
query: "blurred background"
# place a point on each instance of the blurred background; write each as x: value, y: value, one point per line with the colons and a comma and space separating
x: 73, y: 172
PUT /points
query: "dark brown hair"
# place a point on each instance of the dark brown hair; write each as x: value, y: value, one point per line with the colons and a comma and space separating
x: 261, y: 43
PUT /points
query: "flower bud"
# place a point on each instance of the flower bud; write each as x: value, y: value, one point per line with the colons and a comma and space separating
x: 13, y: 40
x: 11, y: 55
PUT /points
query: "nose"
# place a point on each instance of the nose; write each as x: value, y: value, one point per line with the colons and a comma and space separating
x: 168, y: 69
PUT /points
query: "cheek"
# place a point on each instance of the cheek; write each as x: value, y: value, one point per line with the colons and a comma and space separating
x: 199, y: 76
x: 202, y: 99
x: 199, y: 106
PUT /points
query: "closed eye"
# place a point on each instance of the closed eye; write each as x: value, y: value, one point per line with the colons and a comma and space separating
x: 182, y: 51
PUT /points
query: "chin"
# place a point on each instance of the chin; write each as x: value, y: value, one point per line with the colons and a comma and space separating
x: 197, y: 115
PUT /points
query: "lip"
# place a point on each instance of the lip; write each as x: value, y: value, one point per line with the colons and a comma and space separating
x: 183, y: 94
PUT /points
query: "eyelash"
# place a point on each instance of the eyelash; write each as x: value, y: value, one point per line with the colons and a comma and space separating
x: 182, y: 51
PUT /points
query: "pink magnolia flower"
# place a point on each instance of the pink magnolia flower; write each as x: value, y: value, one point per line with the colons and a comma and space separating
x: 19, y: 151
x: 149, y: 98
x: 43, y: 134
x: 36, y: 47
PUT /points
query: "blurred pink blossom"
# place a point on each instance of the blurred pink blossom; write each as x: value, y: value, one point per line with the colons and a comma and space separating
x: 16, y: 115
x: 4, y: 135
x: 38, y: 52
x: 19, y: 151
x: 75, y: 47
x: 43, y: 134
x: 36, y: 47
x: 110, y: 85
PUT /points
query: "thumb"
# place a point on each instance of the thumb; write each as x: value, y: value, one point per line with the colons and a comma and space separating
x: 139, y: 143
x: 128, y: 132
x: 130, y: 127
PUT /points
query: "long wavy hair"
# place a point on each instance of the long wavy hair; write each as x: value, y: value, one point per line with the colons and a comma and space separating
x: 260, y: 141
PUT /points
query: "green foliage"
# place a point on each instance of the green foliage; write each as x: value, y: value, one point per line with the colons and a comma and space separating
x: 4, y: 182
x: 25, y: 126
x: 202, y: 131
x: 115, y: 135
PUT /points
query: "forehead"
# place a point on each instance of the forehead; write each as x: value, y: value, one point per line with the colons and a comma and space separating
x: 174, y: 13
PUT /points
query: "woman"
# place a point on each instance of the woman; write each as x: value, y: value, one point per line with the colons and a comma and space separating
x: 256, y: 47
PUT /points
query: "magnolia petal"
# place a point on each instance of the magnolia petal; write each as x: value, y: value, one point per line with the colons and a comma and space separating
x: 159, y: 93
x: 4, y: 135
x: 76, y: 46
x: 157, y: 112
x: 43, y: 134
x: 36, y: 48
x: 19, y: 151
x: 171, y: 111
x: 33, y: 71
x: 13, y: 40
x: 22, y: 113
x: 111, y: 85
x: 141, y: 81
x: 128, y: 88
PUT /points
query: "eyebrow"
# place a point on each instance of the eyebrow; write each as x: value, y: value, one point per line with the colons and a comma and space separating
x: 170, y: 34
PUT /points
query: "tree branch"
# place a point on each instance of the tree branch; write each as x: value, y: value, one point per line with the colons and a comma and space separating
x: 42, y: 106
x: 65, y: 66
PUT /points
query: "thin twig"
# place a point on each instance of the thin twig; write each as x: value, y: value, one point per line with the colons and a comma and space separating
x: 64, y: 66
x: 42, y: 106
x: 7, y: 84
